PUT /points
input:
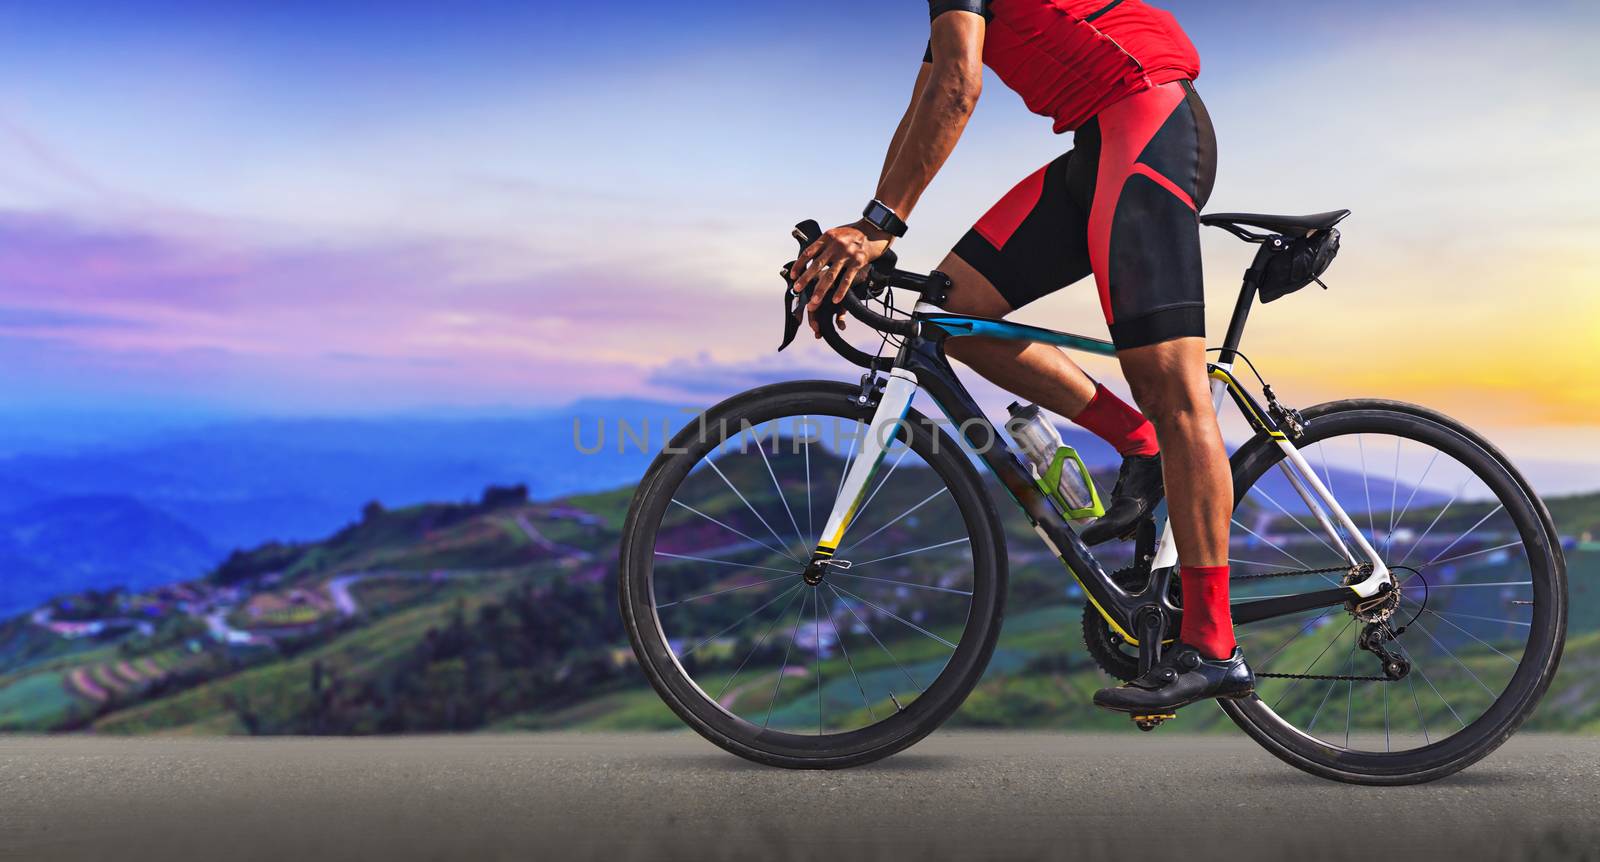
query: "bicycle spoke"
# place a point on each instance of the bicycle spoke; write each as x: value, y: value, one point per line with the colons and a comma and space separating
x: 1343, y: 669
x: 916, y: 551
x: 845, y: 651
x: 1293, y: 519
x: 785, y: 669
x: 1418, y: 668
x: 735, y: 530
x: 1389, y: 545
x: 1461, y: 615
x: 720, y: 592
x: 747, y: 505
x: 1470, y: 554
x: 741, y: 620
x: 892, y: 615
x: 721, y: 562
x: 1458, y: 539
x: 1491, y: 646
x: 900, y: 583
x: 1418, y: 543
x: 1432, y: 587
x: 1296, y: 636
x: 859, y: 542
x: 762, y: 450
x: 811, y: 522
x: 816, y: 631
x: 1303, y: 563
x: 1349, y: 706
x: 1278, y: 566
x: 1422, y: 723
x: 757, y: 648
x: 1294, y: 682
x: 874, y: 637
x: 1394, y: 485
x: 1386, y: 742
x: 1453, y: 657
x: 1361, y: 447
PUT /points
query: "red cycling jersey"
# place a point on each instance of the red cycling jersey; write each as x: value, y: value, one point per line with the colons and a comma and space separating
x: 1071, y: 59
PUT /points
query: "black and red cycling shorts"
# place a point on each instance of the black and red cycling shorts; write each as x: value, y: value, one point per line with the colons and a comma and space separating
x: 1124, y: 205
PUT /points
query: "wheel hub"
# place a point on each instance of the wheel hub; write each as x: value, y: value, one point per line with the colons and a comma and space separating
x: 1376, y: 608
x: 818, y: 569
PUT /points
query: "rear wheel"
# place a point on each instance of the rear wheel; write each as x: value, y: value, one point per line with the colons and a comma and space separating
x: 776, y: 669
x: 1478, y: 626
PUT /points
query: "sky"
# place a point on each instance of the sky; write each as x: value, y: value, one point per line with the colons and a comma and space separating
x: 312, y: 208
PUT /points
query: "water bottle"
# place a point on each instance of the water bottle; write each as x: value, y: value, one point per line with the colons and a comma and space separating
x: 1057, y: 468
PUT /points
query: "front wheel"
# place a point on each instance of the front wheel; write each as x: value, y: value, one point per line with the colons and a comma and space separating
x: 1480, y: 617
x: 787, y: 672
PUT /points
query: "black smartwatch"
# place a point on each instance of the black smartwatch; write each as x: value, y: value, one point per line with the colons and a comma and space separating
x: 881, y: 217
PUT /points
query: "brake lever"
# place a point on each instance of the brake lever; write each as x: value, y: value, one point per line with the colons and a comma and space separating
x: 794, y: 307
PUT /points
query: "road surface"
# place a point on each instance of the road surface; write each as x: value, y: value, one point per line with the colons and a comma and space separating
x: 622, y: 797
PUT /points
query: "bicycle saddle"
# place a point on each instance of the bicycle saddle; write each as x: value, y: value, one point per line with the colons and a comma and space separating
x: 1276, y: 223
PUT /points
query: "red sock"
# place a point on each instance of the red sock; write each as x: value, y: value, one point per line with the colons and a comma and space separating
x: 1207, y: 619
x: 1112, y: 420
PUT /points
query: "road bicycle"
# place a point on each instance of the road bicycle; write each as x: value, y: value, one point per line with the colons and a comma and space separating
x: 1398, y: 586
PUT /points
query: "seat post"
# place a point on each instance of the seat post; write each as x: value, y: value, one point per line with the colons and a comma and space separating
x: 1241, y: 309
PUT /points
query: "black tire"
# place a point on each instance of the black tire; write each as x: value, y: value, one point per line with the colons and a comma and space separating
x: 1546, y: 633
x: 895, y: 731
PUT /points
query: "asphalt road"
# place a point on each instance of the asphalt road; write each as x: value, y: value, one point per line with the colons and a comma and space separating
x: 673, y: 796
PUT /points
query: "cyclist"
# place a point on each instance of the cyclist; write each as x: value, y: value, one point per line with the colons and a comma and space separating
x: 1121, y: 205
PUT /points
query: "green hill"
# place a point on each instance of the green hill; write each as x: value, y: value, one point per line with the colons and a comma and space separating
x: 501, y: 614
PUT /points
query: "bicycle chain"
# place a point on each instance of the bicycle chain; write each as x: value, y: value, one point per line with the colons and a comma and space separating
x: 1327, y: 676
x: 1300, y: 573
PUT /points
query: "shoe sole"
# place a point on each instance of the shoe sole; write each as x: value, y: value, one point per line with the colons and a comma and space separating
x: 1142, y: 710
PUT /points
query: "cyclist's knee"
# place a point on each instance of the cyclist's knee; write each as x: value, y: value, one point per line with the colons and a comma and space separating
x: 970, y: 292
x: 1169, y: 380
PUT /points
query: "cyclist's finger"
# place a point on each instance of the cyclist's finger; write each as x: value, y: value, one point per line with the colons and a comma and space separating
x: 822, y: 273
x: 806, y: 254
x: 817, y: 273
x: 851, y: 272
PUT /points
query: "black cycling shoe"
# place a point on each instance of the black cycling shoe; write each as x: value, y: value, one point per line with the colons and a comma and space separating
x: 1182, y: 677
x: 1137, y: 491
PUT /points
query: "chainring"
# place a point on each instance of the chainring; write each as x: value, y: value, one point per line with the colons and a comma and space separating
x: 1108, y: 649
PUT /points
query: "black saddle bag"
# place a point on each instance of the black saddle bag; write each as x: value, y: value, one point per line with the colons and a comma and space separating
x: 1289, y: 263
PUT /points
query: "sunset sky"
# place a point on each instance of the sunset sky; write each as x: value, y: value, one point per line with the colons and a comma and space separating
x: 282, y: 208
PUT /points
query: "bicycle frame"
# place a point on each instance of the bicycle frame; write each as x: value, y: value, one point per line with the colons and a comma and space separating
x: 921, y: 364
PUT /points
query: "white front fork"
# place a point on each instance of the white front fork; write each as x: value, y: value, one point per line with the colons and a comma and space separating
x: 1297, y: 471
x: 898, y: 391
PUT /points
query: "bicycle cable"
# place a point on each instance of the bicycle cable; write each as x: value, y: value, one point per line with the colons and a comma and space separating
x: 1247, y: 362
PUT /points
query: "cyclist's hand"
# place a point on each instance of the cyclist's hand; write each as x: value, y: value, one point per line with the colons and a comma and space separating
x: 834, y: 262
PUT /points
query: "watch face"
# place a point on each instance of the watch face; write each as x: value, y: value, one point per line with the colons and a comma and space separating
x: 882, y: 217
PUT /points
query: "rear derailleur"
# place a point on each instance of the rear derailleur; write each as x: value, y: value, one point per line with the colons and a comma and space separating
x: 1372, y: 639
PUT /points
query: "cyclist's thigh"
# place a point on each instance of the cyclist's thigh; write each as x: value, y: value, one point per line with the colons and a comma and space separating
x: 1156, y: 164
x: 1033, y: 241
x: 971, y: 292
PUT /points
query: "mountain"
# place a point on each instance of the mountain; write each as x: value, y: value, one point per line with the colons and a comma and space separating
x: 202, y: 490
x: 69, y: 544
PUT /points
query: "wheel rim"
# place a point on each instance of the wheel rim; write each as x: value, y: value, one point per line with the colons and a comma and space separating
x: 1476, y: 613
x: 772, y: 658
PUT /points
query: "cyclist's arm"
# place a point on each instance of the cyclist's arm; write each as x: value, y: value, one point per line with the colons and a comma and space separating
x: 917, y: 89
x: 945, y: 102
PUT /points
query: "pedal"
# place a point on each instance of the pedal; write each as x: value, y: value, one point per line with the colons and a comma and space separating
x: 1148, y: 723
